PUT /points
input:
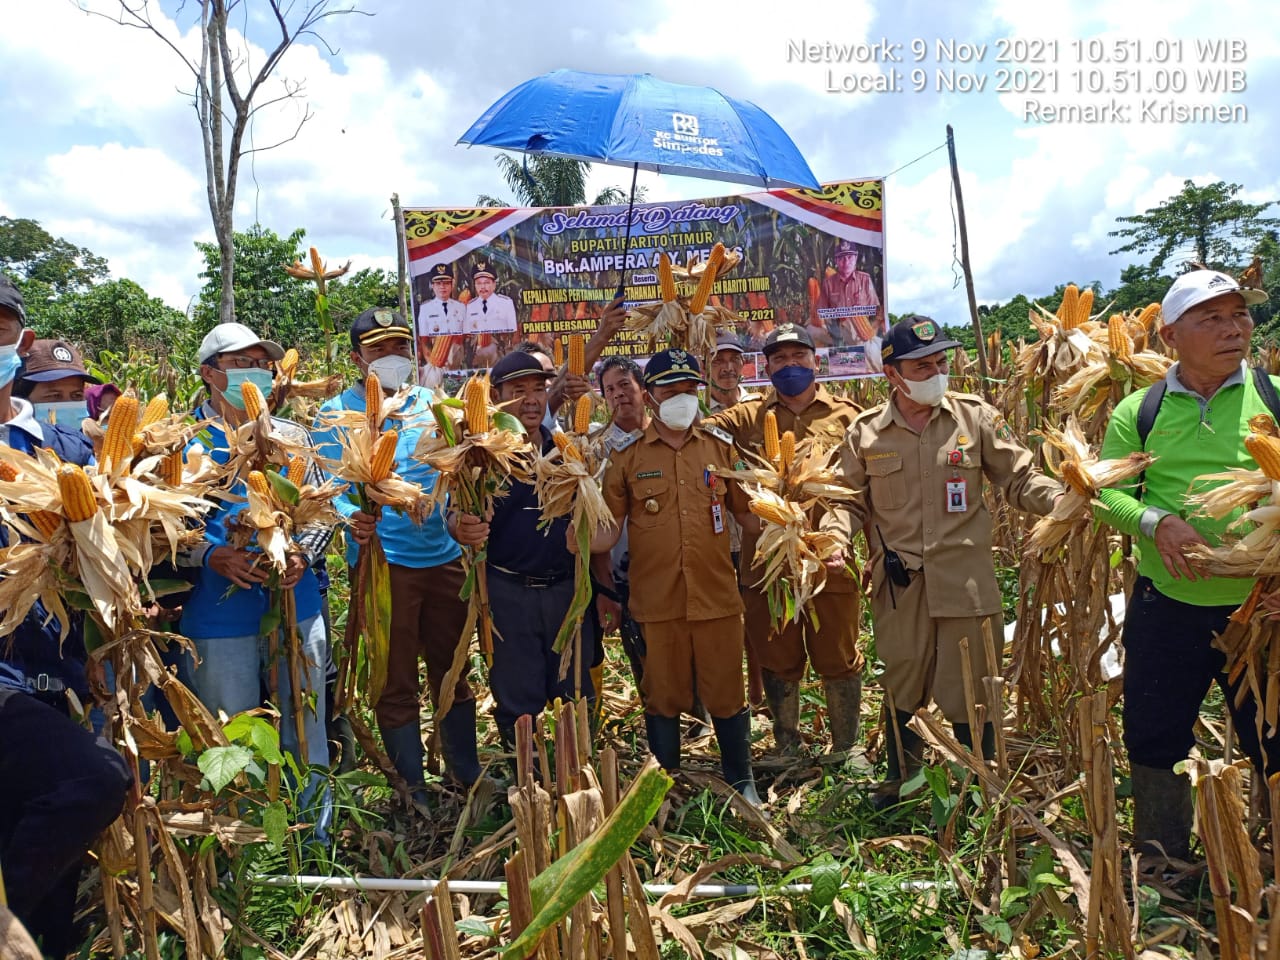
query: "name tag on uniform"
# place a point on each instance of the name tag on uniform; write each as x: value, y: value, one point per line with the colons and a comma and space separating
x: 717, y: 517
x: 957, y: 496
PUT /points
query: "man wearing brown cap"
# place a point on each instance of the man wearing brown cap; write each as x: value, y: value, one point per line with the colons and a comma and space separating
x: 488, y: 311
x: 919, y: 461
x: 53, y: 379
x: 806, y: 408
x: 424, y: 563
x: 848, y: 303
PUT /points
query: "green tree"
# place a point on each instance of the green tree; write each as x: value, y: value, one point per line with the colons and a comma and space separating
x: 357, y: 292
x: 1139, y: 286
x: 115, y: 315
x: 268, y: 300
x: 30, y: 254
x: 1205, y: 224
x: 550, y: 182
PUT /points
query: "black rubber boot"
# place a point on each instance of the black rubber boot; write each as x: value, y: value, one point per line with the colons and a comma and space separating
x: 338, y: 730
x: 965, y: 736
x: 734, y: 736
x: 458, y: 741
x: 1162, y: 812
x: 844, y: 708
x: 664, y: 740
x: 784, y: 706
x: 886, y: 793
x: 404, y: 748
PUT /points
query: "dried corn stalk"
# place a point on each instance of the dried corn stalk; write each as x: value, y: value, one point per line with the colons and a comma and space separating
x: 687, y: 322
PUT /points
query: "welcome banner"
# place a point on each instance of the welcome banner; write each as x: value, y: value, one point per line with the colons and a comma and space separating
x: 485, y: 279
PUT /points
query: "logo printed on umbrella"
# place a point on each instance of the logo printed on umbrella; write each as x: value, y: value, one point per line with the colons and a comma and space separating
x: 684, y: 123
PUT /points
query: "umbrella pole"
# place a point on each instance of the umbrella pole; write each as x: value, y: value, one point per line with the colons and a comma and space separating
x: 626, y: 243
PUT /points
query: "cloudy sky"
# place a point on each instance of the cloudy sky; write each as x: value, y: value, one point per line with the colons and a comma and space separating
x: 102, y: 147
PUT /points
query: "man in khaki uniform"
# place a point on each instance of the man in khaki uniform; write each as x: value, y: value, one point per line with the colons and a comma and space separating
x: 807, y: 409
x: 920, y: 460
x: 684, y: 588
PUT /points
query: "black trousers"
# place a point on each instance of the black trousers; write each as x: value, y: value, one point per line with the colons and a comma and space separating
x: 525, y: 675
x: 60, y: 786
x: 1169, y: 663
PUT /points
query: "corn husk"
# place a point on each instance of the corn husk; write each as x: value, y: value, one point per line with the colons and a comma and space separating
x: 673, y: 325
x: 568, y: 485
x: 1084, y: 475
x: 790, y: 552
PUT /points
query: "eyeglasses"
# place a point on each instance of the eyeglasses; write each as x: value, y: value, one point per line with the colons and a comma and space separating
x: 246, y: 363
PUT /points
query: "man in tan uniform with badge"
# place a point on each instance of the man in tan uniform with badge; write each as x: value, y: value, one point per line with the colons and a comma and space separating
x: 684, y: 588
x: 919, y: 460
x: 807, y: 409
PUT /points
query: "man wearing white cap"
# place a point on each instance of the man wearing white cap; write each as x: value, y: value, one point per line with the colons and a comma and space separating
x: 1194, y: 423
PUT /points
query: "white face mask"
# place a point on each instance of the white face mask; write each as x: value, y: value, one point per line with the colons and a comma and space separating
x: 678, y: 412
x: 392, y: 371
x: 927, y: 393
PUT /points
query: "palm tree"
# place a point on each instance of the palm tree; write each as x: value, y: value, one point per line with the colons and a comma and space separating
x: 550, y: 182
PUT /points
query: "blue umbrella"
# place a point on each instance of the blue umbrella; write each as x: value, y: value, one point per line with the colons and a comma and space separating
x: 639, y: 121
x: 644, y: 123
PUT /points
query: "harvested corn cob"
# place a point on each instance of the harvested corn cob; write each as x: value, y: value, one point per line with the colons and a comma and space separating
x: 78, y: 500
x: 772, y: 447
x: 383, y: 455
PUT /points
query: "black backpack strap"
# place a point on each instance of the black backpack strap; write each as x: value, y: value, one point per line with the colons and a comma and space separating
x: 1267, y: 391
x: 1147, y: 412
x: 1149, y: 408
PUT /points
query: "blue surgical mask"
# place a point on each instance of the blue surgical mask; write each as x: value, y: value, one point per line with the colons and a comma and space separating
x: 10, y: 362
x: 65, y: 413
x: 792, y: 381
x: 262, y: 379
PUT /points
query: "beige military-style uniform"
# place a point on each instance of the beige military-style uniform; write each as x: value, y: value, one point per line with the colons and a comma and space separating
x: 833, y: 647
x: 944, y: 540
x: 684, y: 589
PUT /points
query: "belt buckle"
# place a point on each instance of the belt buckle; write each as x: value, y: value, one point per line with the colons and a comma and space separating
x: 41, y: 683
x: 537, y: 583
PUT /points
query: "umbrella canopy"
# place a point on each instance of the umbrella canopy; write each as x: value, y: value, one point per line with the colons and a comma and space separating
x: 646, y: 123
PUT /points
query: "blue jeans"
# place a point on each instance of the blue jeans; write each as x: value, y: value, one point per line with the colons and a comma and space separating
x: 230, y: 679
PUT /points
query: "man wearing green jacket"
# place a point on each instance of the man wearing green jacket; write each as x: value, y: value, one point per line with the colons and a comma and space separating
x: 1198, y: 428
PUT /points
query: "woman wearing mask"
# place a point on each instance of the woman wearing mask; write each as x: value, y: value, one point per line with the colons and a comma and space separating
x: 54, y: 379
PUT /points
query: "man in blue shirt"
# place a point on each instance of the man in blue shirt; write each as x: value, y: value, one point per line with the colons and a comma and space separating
x: 427, y: 615
x: 531, y: 572
x: 223, y: 615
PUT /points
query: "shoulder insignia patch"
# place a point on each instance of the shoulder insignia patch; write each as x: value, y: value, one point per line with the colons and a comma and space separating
x: 719, y: 434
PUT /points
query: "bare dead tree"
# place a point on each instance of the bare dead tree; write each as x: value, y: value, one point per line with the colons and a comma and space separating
x: 223, y: 103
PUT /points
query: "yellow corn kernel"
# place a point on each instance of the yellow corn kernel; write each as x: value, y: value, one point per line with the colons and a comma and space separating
x: 1067, y: 309
x: 707, y: 281
x: 255, y: 404
x: 770, y: 512
x: 863, y: 328
x: 566, y: 447
x: 1265, y: 452
x: 666, y: 279
x: 439, y: 355
x: 787, y: 450
x: 288, y: 364
x: 1084, y: 306
x: 1118, y: 338
x: 46, y: 522
x: 476, y: 406
x: 582, y: 414
x: 383, y: 455
x: 577, y: 355
x: 122, y: 423
x: 373, y: 403
x: 772, y: 446
x: 1076, y: 478
x: 1148, y: 315
x: 157, y: 409
x: 557, y: 353
x: 78, y: 500
x: 8, y: 472
x: 297, y: 472
x: 258, y: 483
x: 171, y: 469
